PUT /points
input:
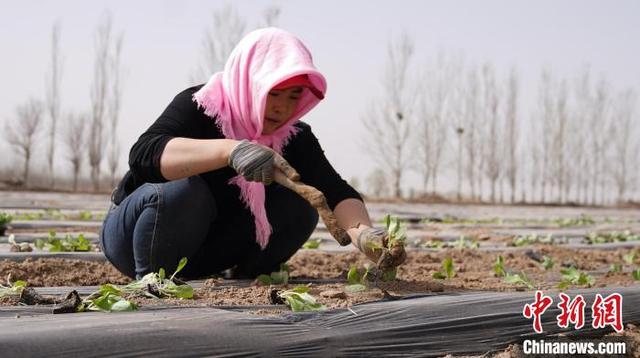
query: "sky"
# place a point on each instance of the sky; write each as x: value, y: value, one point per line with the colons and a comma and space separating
x: 348, y: 39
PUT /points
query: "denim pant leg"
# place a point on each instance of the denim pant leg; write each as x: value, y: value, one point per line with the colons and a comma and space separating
x: 158, y: 224
x: 292, y: 219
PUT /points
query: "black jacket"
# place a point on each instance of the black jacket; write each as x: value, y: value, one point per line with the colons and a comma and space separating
x: 182, y: 118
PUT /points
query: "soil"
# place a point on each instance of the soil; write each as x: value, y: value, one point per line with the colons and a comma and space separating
x: 474, y: 271
x: 61, y: 272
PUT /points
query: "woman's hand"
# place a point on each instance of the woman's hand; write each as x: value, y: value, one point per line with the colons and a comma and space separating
x: 374, y: 244
x: 258, y: 163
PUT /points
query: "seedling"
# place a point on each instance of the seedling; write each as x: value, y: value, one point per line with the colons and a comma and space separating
x: 299, y: 299
x: 630, y: 258
x: 356, y: 281
x: 12, y: 289
x: 18, y: 247
x: 614, y: 236
x: 396, y: 236
x: 68, y: 244
x: 582, y: 220
x: 636, y: 274
x: 85, y: 215
x: 5, y: 219
x: 277, y: 277
x: 312, y: 244
x: 574, y: 277
x: 615, y: 268
x: 154, y: 285
x: 547, y: 262
x: 518, y: 279
x: 498, y: 267
x: 433, y: 244
x: 525, y: 240
x: 106, y: 300
x: 464, y: 243
x: 447, y: 272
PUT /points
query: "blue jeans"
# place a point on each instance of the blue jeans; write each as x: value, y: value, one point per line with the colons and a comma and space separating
x: 158, y: 224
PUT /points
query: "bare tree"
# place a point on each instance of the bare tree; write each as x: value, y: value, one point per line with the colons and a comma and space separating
x: 559, y: 142
x: 624, y: 130
x: 22, y: 133
x: 99, y: 93
x: 388, y: 122
x: 226, y: 31
x: 113, y: 112
x: 74, y: 138
x: 492, y: 155
x: 438, y: 111
x: 472, y: 138
x: 582, y: 161
x: 512, y: 133
x: 546, y: 116
x: 598, y: 124
x: 53, y: 97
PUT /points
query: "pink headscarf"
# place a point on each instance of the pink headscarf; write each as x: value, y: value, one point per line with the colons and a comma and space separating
x: 237, y: 96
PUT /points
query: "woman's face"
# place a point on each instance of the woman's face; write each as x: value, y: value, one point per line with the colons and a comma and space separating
x: 280, y: 106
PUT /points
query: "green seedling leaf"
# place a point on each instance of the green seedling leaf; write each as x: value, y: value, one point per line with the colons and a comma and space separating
x: 312, y: 244
x: 615, y: 268
x: 181, y: 265
x: 547, y: 262
x: 448, y: 272
x: 447, y: 265
x: 109, y: 288
x: 300, y: 300
x: 630, y: 257
x: 498, y: 266
x: 439, y: 275
x: 518, y: 279
x: 108, y: 302
x: 280, y: 277
x: 161, y: 274
x: 574, y: 277
x: 264, y: 279
x: 352, y: 276
x: 636, y: 274
x: 179, y: 291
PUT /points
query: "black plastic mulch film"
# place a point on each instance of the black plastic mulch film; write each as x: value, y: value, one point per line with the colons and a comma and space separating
x: 434, y: 325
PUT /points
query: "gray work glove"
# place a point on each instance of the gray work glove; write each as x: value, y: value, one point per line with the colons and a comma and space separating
x: 373, y: 243
x: 257, y: 163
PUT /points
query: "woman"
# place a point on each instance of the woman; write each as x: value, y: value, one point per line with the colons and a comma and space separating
x: 200, y: 183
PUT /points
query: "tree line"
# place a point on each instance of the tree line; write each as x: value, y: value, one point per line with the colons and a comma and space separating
x: 577, y: 143
x: 45, y: 123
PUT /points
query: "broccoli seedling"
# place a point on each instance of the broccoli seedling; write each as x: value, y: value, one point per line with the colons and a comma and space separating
x: 154, y: 285
x: 498, y: 267
x: 357, y: 282
x: 312, y: 244
x: 582, y: 220
x: 615, y: 268
x: 572, y: 276
x: 106, y: 301
x: 68, y: 244
x: 85, y: 215
x: 463, y: 243
x: 519, y: 279
x: 636, y: 274
x: 277, y: 277
x: 547, y: 262
x: 630, y: 258
x: 299, y: 299
x: 532, y: 239
x: 447, y: 272
x: 12, y: 289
